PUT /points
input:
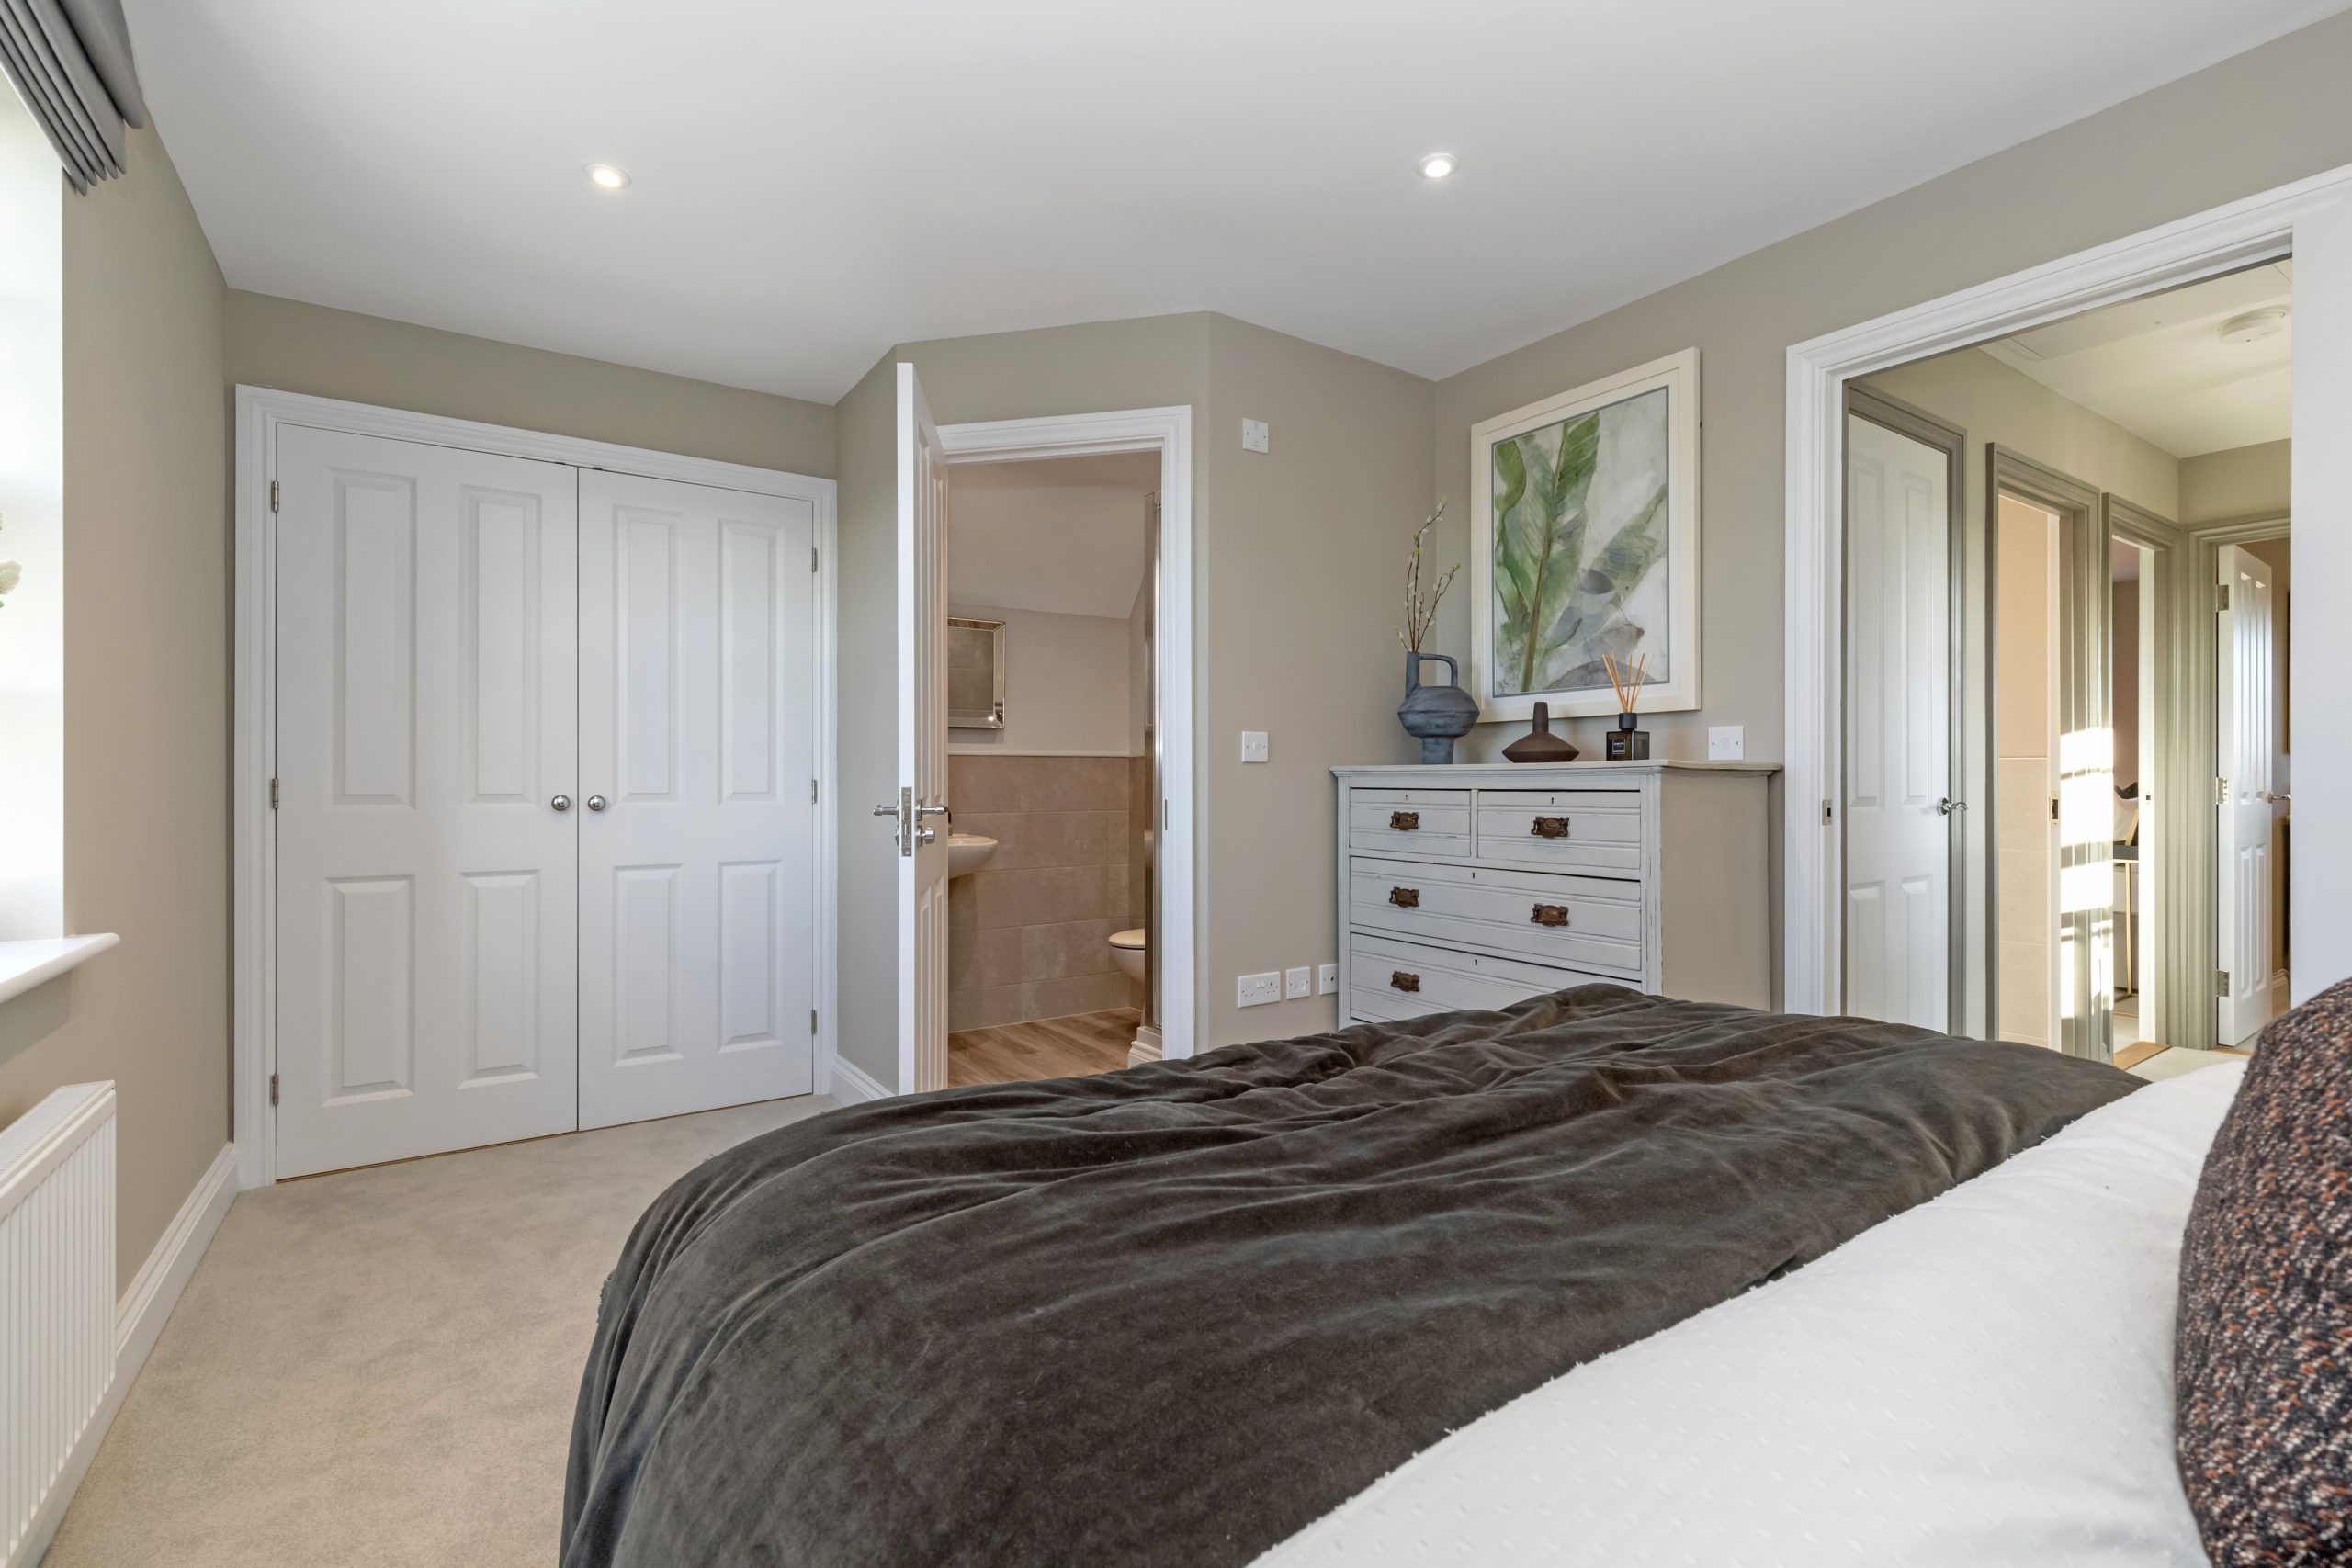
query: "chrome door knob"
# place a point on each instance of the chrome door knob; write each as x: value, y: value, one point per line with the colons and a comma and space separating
x: 595, y: 803
x: 562, y: 803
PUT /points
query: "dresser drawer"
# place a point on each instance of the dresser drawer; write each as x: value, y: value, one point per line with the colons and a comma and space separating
x: 1391, y: 980
x: 1584, y: 830
x: 1591, y: 923
x: 1410, y: 821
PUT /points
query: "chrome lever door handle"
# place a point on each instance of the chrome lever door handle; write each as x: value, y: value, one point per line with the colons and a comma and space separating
x: 886, y: 810
x: 1947, y: 806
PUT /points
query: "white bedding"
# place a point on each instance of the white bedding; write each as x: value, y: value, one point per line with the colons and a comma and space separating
x: 1985, y: 1379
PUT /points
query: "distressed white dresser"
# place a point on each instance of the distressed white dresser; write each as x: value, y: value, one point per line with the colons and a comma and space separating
x: 1477, y: 885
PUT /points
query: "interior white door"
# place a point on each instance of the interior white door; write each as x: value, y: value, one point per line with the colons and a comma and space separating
x: 1898, y: 820
x: 698, y: 765
x: 923, y: 744
x: 425, y: 736
x: 2244, y: 727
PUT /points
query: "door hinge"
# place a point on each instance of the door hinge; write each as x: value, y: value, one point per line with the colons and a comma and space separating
x: 273, y: 1089
x: 1828, y: 813
x: 2220, y: 596
x: 273, y: 795
x: 2221, y: 981
x: 273, y: 496
x: 2053, y: 808
x: 812, y: 1020
x: 2220, y: 791
x: 812, y: 557
x: 812, y: 792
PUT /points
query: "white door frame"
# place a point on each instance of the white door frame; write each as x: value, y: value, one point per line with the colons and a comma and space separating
x: 261, y: 413
x: 2299, y: 218
x: 1169, y: 432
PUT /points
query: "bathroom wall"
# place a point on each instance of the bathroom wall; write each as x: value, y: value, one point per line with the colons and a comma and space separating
x: 1066, y: 691
x: 1029, y: 933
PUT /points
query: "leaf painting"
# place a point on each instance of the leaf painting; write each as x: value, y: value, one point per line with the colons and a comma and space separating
x: 1579, y: 525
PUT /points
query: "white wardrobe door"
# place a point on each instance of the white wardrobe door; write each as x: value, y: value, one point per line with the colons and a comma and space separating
x: 697, y: 855
x: 427, y: 714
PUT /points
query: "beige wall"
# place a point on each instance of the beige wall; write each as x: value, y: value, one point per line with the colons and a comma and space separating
x: 2263, y: 119
x: 2246, y: 481
x: 295, y: 347
x: 147, y: 698
x: 1067, y: 685
x: 1297, y: 557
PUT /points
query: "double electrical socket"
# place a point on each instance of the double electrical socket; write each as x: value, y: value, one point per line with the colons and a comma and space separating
x: 1275, y: 984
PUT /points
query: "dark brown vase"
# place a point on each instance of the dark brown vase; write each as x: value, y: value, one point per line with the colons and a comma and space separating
x: 1538, y: 744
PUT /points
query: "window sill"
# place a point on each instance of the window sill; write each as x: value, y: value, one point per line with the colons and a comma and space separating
x: 24, y: 965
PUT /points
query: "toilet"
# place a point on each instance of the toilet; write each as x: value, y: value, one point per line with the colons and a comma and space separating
x: 1126, y: 951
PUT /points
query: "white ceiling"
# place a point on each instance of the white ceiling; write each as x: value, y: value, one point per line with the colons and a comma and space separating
x: 2157, y: 366
x: 1062, y: 535
x: 815, y: 183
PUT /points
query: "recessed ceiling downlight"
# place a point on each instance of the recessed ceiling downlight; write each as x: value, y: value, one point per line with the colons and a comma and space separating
x: 2256, y: 325
x: 607, y: 177
x: 1437, y: 166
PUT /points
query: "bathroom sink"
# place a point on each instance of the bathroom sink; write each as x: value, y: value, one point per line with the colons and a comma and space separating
x: 966, y: 853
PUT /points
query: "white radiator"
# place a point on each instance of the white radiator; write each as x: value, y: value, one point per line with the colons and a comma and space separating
x: 57, y: 1303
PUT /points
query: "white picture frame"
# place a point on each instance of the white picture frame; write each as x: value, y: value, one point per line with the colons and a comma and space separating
x: 1674, y: 689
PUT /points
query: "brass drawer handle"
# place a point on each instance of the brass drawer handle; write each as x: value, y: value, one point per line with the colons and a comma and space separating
x: 1404, y: 897
x: 1549, y: 828
x: 1404, y: 821
x: 1550, y: 915
x: 1404, y: 980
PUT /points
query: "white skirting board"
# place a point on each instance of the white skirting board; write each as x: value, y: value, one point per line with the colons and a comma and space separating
x: 138, y: 1320
x: 849, y: 1086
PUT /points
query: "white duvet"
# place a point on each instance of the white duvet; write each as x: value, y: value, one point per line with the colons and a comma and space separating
x: 1985, y: 1379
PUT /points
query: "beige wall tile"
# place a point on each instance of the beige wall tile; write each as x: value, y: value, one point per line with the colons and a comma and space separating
x: 985, y: 1007
x: 1042, y: 895
x: 1078, y: 947
x: 1083, y: 993
x: 980, y: 958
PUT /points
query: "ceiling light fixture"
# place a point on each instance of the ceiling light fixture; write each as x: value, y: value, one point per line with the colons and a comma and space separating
x: 1437, y: 166
x: 607, y: 177
x: 2254, y: 325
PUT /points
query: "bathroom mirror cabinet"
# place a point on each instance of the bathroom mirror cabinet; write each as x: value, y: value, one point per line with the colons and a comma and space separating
x: 974, y: 673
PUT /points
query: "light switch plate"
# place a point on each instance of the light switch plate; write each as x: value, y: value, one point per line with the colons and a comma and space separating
x: 1726, y: 743
x: 1253, y: 745
x: 1327, y: 979
x: 1297, y: 983
x: 1253, y: 436
x: 1256, y: 990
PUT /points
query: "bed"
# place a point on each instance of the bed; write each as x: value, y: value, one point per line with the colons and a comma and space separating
x: 1195, y: 1312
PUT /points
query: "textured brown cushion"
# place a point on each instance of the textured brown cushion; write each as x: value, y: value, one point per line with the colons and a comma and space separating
x: 2263, y: 1372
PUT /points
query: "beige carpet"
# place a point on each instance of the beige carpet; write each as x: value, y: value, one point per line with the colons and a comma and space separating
x: 379, y: 1367
x: 2172, y: 1061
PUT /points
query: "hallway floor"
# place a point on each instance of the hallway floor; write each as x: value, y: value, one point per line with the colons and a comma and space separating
x: 1043, y: 1048
x: 379, y: 1368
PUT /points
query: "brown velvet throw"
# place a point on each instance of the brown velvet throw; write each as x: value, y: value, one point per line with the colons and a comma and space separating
x: 1171, y: 1315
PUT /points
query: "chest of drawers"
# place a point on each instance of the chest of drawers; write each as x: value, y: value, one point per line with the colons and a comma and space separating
x: 1475, y: 886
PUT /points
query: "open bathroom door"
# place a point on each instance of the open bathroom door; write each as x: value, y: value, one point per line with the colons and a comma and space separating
x: 2243, y: 726
x: 923, y: 744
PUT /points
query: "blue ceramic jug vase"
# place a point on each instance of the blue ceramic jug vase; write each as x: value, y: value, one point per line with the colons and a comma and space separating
x: 1434, y: 715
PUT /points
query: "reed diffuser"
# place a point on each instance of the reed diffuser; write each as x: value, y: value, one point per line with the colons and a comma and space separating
x: 1625, y: 743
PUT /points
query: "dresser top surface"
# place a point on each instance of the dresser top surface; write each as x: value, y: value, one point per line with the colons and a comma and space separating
x: 1486, y: 773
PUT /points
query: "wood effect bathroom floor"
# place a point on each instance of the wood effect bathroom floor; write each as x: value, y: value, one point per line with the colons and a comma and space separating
x: 1042, y: 1048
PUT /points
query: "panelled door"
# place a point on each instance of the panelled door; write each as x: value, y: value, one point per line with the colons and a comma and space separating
x: 2247, y: 815
x: 546, y: 834
x: 425, y: 731
x: 1896, y: 807
x: 697, y: 766
x: 921, y: 807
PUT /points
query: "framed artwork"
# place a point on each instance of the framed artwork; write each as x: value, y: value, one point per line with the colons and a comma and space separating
x: 1584, y: 542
